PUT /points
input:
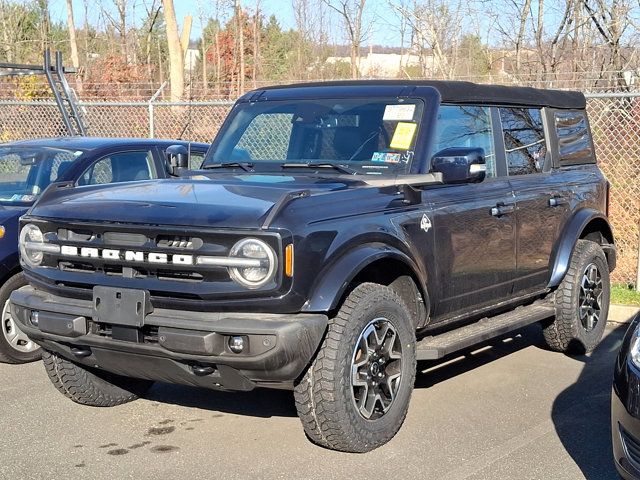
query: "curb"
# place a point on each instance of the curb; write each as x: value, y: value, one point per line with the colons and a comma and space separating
x: 622, y: 313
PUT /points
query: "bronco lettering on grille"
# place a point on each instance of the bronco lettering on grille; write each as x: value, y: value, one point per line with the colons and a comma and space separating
x: 126, y: 255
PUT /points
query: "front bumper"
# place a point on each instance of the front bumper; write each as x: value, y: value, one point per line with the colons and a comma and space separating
x: 175, y: 346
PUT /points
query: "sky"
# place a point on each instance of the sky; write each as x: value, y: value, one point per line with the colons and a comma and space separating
x: 282, y: 9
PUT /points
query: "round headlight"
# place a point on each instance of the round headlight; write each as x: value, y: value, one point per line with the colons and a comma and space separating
x: 253, y: 276
x: 30, y: 241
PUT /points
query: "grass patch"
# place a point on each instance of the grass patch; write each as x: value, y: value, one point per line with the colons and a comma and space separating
x: 623, y: 295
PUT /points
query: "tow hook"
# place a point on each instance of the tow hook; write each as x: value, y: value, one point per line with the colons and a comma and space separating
x: 202, y: 370
x: 81, y: 352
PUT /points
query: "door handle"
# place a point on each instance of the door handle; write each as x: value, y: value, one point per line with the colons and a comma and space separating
x: 503, y: 209
x: 556, y: 201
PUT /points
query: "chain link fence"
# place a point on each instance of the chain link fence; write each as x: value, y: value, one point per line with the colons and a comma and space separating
x: 615, y: 123
x: 614, y: 117
x: 197, y: 121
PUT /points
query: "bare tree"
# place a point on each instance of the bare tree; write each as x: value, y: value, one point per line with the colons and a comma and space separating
x: 256, y: 44
x: 73, y: 42
x: 153, y: 12
x: 351, y: 13
x: 119, y: 23
x: 435, y: 27
x: 612, y: 21
x: 45, y: 22
x: 176, y: 54
x: 6, y: 45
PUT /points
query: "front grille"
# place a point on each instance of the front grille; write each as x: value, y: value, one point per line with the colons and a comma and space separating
x: 121, y: 255
x: 631, y: 447
x: 144, y: 242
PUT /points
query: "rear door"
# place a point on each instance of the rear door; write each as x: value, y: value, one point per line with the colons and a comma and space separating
x: 542, y: 196
x: 474, y: 224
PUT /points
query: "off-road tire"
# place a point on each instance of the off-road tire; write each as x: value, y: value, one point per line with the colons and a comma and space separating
x: 566, y: 332
x: 8, y: 354
x: 323, y: 396
x: 91, y: 387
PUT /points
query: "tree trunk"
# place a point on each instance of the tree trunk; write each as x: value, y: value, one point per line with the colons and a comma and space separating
x: 6, y: 46
x: 73, y: 41
x: 520, y: 38
x: 176, y: 56
x: 240, y: 33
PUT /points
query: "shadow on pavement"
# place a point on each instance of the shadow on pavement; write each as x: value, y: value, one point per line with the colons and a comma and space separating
x: 582, y: 413
x: 261, y: 402
x: 431, y: 373
x: 279, y: 403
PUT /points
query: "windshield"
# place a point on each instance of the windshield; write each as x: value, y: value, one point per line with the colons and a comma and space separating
x: 26, y: 171
x: 367, y: 136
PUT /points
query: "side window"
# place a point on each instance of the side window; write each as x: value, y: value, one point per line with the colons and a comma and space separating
x: 120, y: 167
x: 524, y: 141
x: 466, y: 126
x: 195, y: 160
x: 574, y: 138
x: 59, y: 164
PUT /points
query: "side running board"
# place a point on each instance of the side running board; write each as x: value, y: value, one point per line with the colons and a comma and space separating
x: 437, y: 346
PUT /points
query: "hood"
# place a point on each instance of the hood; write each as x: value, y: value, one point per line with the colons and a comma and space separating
x: 11, y: 214
x: 235, y: 202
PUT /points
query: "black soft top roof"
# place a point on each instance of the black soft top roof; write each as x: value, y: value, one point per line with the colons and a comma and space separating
x: 92, y: 143
x: 450, y: 92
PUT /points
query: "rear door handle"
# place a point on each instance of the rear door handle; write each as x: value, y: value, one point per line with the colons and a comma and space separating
x: 557, y: 200
x: 503, y: 209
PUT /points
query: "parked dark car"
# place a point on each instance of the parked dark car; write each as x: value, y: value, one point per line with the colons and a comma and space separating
x: 336, y: 234
x: 28, y: 167
x: 625, y: 405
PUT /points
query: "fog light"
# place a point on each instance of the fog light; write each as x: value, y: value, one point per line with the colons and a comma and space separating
x: 34, y: 317
x: 236, y: 344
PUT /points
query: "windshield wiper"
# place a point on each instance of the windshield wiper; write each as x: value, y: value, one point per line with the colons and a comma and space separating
x: 335, y: 166
x: 246, y: 166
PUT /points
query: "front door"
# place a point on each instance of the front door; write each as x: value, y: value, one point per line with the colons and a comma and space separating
x: 474, y: 229
x: 474, y: 224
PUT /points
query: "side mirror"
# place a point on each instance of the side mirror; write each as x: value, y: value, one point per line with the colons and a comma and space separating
x: 460, y: 164
x: 177, y: 158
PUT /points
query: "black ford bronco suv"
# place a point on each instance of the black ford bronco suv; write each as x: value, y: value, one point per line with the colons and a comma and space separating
x: 336, y: 234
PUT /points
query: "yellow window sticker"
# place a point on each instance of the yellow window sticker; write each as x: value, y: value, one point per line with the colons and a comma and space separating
x: 403, y: 136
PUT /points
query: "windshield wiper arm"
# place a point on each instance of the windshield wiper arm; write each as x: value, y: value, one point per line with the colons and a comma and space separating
x: 246, y: 166
x: 335, y: 166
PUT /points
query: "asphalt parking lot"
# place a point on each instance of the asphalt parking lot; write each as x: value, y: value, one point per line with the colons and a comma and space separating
x: 511, y: 410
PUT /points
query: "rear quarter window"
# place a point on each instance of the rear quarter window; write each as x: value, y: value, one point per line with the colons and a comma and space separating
x: 575, y: 145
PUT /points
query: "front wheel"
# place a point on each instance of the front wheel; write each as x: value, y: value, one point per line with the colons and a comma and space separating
x: 15, y: 346
x: 91, y: 387
x: 355, y: 395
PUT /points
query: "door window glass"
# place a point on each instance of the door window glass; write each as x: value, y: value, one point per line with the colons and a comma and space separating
x: 466, y: 127
x: 524, y: 142
x: 60, y: 163
x: 195, y: 160
x: 120, y: 167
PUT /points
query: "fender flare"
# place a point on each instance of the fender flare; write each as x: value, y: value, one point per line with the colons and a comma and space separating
x: 329, y: 289
x: 570, y: 235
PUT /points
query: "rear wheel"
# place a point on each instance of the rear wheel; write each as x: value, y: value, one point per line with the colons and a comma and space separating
x: 15, y: 346
x: 91, y: 387
x: 582, y: 302
x: 355, y: 395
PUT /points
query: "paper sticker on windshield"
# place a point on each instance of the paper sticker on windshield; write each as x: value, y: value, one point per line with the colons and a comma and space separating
x: 396, y: 113
x: 403, y: 136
